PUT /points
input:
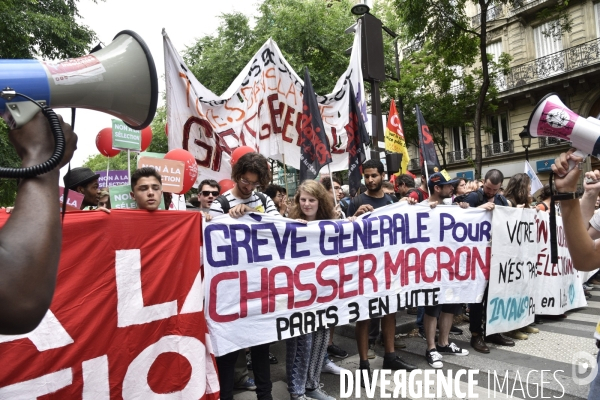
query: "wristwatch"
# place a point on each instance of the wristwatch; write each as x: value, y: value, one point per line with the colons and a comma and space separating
x: 566, y: 196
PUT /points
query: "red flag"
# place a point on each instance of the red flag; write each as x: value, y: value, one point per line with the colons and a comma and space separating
x: 427, y: 147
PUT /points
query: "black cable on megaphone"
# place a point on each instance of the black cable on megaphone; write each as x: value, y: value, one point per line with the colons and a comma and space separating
x: 59, y: 143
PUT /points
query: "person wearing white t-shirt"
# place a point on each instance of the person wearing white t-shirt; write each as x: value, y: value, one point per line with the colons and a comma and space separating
x: 248, y: 173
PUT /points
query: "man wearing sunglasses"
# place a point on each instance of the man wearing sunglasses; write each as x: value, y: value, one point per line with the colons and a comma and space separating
x: 209, y: 190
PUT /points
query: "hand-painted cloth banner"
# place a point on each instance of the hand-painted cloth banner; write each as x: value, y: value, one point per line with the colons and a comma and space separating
x: 283, y: 278
x: 262, y: 109
x: 523, y: 281
x: 126, y: 321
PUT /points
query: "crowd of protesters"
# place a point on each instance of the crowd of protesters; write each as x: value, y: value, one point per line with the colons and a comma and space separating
x: 311, y: 354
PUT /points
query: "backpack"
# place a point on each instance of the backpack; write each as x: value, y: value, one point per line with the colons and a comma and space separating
x: 419, y: 194
x: 344, y: 206
x: 225, y: 204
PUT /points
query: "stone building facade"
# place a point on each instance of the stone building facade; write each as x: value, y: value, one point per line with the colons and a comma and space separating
x: 569, y: 66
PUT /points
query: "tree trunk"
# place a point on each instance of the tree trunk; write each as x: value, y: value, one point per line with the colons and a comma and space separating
x: 484, y: 88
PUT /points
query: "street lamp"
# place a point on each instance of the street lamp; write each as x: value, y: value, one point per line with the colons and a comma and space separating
x: 525, y: 141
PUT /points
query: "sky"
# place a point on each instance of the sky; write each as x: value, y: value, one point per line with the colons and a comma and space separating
x: 184, y: 21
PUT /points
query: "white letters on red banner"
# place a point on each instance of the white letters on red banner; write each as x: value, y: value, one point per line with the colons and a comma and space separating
x: 126, y: 320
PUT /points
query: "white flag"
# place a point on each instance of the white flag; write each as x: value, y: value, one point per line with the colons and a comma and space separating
x: 535, y: 181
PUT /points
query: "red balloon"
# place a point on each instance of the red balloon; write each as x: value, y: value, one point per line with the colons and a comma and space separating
x: 190, y: 172
x: 240, y: 151
x: 104, y: 143
x: 167, y: 130
x: 226, y: 184
x: 146, y: 138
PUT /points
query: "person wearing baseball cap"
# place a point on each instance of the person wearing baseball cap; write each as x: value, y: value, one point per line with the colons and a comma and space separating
x: 441, y: 187
x: 84, y: 181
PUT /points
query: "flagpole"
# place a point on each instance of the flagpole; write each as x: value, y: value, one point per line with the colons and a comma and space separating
x: 284, y: 174
x: 335, y: 203
x: 426, y: 176
x: 107, y: 166
x: 129, y: 168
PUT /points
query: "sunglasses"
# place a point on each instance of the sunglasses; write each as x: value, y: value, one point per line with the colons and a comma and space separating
x: 206, y: 193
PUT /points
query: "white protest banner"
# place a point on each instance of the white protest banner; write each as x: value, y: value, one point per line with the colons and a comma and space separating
x: 523, y: 281
x: 513, y: 277
x: 560, y: 288
x: 283, y: 278
x: 262, y: 109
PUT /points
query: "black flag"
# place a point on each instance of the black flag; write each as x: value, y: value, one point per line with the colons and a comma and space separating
x: 314, y: 146
x: 426, y: 146
x: 358, y: 137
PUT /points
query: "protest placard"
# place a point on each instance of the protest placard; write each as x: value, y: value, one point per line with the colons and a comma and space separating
x: 126, y: 320
x: 125, y: 138
x: 283, y: 278
x: 74, y: 199
x: 523, y: 281
x: 115, y: 178
x: 171, y: 172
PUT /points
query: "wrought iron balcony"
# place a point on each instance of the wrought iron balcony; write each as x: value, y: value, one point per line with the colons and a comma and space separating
x: 550, y: 141
x: 492, y: 14
x: 414, y: 164
x: 498, y: 148
x: 553, y: 64
x: 459, y: 155
x: 519, y: 6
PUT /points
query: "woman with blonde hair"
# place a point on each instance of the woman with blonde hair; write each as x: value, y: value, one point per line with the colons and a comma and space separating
x: 305, y: 353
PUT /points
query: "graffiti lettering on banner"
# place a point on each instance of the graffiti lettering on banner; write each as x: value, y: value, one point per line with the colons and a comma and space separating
x: 126, y: 320
x: 284, y: 278
x: 261, y: 109
x: 523, y: 281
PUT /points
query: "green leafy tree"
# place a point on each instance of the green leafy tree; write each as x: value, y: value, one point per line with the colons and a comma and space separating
x: 308, y: 32
x: 444, y: 24
x: 37, y: 28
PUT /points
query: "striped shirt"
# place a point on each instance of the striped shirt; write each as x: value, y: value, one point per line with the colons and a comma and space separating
x: 253, y: 202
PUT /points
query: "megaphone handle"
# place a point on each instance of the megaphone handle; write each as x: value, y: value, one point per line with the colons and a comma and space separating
x: 573, y: 164
x: 53, y: 161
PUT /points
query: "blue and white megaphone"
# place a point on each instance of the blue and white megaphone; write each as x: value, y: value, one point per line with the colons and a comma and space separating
x: 119, y: 80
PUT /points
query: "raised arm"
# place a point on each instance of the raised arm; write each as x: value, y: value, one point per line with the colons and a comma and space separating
x: 585, y: 252
x: 30, y: 241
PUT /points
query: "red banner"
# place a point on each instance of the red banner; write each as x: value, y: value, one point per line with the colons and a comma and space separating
x: 126, y: 320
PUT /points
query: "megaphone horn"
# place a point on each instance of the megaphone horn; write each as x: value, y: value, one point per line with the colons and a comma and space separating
x: 551, y: 118
x: 119, y: 80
